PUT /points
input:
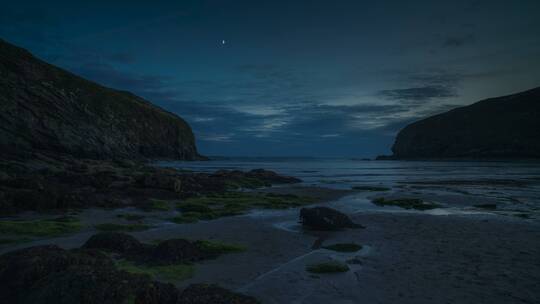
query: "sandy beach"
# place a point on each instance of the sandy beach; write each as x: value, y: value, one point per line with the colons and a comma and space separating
x: 407, y: 256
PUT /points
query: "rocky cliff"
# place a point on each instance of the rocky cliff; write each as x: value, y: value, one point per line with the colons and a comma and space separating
x: 44, y: 109
x: 503, y: 127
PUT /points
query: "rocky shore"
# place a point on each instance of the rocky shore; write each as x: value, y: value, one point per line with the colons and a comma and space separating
x: 76, y: 183
x: 112, y: 267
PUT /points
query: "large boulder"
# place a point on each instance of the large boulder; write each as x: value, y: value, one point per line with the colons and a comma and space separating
x: 324, y: 218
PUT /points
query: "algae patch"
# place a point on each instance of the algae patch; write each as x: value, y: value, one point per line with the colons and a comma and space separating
x: 234, y: 203
x: 41, y: 228
x: 157, y: 205
x: 218, y: 247
x: 169, y: 273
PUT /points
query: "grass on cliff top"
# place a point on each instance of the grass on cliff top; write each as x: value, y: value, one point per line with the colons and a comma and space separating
x: 234, y: 203
x: 41, y: 228
x: 111, y: 227
x: 370, y: 188
x: 344, y: 247
x: 328, y: 267
x: 169, y: 273
x: 406, y: 203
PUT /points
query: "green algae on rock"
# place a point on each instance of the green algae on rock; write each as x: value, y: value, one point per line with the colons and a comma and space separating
x: 41, y: 228
x: 214, y: 206
x: 213, y: 247
x: 167, y: 273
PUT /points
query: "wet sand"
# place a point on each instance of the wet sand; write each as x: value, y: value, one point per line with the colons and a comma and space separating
x: 408, y: 257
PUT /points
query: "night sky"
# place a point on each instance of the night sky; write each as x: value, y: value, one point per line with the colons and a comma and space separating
x: 290, y: 78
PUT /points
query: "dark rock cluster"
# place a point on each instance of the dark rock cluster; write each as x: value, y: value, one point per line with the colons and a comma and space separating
x: 111, y: 184
x: 50, y: 274
x: 168, y: 252
x: 120, y: 243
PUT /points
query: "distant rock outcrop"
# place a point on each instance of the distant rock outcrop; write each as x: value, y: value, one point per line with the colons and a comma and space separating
x: 45, y: 109
x: 503, y: 127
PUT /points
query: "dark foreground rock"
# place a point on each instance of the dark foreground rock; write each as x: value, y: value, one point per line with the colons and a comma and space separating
x: 204, y: 293
x: 49, y: 274
x: 116, y: 242
x: 503, y: 127
x: 167, y: 252
x: 324, y: 218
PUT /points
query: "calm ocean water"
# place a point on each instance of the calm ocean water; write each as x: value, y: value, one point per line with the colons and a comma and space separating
x: 517, y: 183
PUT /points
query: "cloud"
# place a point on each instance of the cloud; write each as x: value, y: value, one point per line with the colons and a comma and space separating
x: 330, y: 135
x: 215, y: 137
x: 418, y: 94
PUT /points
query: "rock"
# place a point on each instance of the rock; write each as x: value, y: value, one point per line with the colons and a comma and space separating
x: 212, y: 294
x: 85, y: 284
x: 176, y: 251
x: 324, y: 218
x: 272, y: 177
x: 161, y: 179
x: 120, y: 243
x: 257, y: 178
x: 44, y: 109
x: 503, y: 127
x: 157, y: 293
x: 49, y: 274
